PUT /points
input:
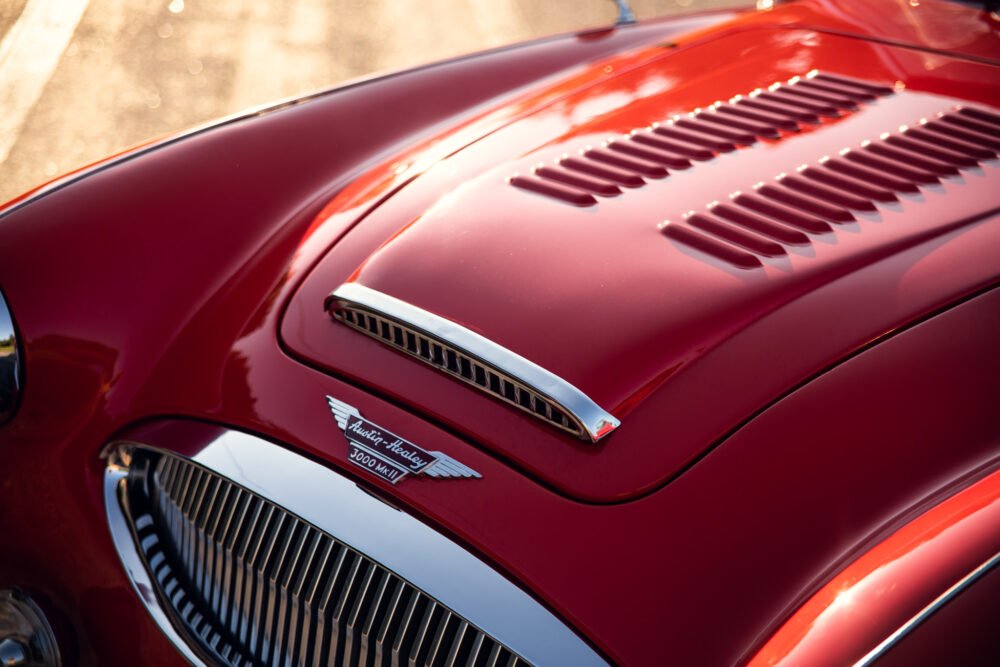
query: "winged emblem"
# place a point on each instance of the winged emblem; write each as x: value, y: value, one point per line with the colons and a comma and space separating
x: 385, y: 454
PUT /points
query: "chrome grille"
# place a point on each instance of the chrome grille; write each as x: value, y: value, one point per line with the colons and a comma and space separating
x: 249, y: 583
x: 458, y: 364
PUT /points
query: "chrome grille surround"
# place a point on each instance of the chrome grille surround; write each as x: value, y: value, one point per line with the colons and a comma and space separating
x: 471, y: 358
x: 235, y: 579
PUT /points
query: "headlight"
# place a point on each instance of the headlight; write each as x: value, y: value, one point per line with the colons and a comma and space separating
x: 10, y: 367
x: 26, y: 638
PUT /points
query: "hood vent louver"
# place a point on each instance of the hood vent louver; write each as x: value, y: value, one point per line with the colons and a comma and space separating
x: 782, y: 213
x: 469, y: 357
x: 649, y: 153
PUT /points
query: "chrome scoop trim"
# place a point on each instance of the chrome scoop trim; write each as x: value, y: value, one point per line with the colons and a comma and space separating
x: 472, y: 358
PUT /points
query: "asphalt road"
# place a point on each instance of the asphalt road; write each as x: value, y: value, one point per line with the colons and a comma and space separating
x: 82, y: 79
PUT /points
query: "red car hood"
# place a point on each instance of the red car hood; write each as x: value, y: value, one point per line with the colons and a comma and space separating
x: 682, y: 326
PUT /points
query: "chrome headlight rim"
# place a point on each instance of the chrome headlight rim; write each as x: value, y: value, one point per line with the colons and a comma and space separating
x: 11, y: 366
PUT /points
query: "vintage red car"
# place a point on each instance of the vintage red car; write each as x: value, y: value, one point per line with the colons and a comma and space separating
x: 672, y: 342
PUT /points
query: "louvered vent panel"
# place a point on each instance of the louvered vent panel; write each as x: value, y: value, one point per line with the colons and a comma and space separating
x: 455, y: 362
x: 252, y: 584
x: 783, y: 213
x: 650, y: 153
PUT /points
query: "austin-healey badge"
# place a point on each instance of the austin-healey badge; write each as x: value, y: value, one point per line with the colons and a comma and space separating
x: 385, y: 454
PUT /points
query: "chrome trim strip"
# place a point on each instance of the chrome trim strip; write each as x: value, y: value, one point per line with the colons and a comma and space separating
x: 927, y: 611
x: 596, y: 421
x: 333, y: 503
x: 115, y: 474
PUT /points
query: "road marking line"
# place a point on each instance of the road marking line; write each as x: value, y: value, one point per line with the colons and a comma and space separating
x: 29, y: 54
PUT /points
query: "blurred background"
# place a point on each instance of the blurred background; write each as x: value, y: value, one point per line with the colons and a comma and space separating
x: 82, y: 79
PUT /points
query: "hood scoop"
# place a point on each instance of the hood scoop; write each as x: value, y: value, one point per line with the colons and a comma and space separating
x: 476, y: 360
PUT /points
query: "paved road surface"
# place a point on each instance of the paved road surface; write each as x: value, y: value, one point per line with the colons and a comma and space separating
x: 81, y: 79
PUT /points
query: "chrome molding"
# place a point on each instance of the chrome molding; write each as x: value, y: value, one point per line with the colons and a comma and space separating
x: 115, y: 474
x: 927, y: 612
x: 593, y: 420
x: 396, y: 540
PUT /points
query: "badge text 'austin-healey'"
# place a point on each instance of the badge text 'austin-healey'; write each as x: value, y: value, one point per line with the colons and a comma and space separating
x: 387, y: 455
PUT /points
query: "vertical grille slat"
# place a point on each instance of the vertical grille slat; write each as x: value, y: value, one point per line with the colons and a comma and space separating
x: 278, y: 590
x: 310, y: 602
x: 202, y: 516
x: 311, y: 557
x: 260, y: 631
x: 251, y: 573
x: 190, y: 527
x: 222, y: 522
x: 240, y: 573
x: 391, y: 623
x: 423, y: 633
x: 321, y: 640
x: 228, y: 593
x: 253, y: 584
x: 338, y: 617
x: 406, y: 630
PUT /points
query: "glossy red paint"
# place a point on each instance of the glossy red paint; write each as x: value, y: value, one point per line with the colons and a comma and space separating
x: 893, y: 583
x: 600, y: 298
x: 847, y: 399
